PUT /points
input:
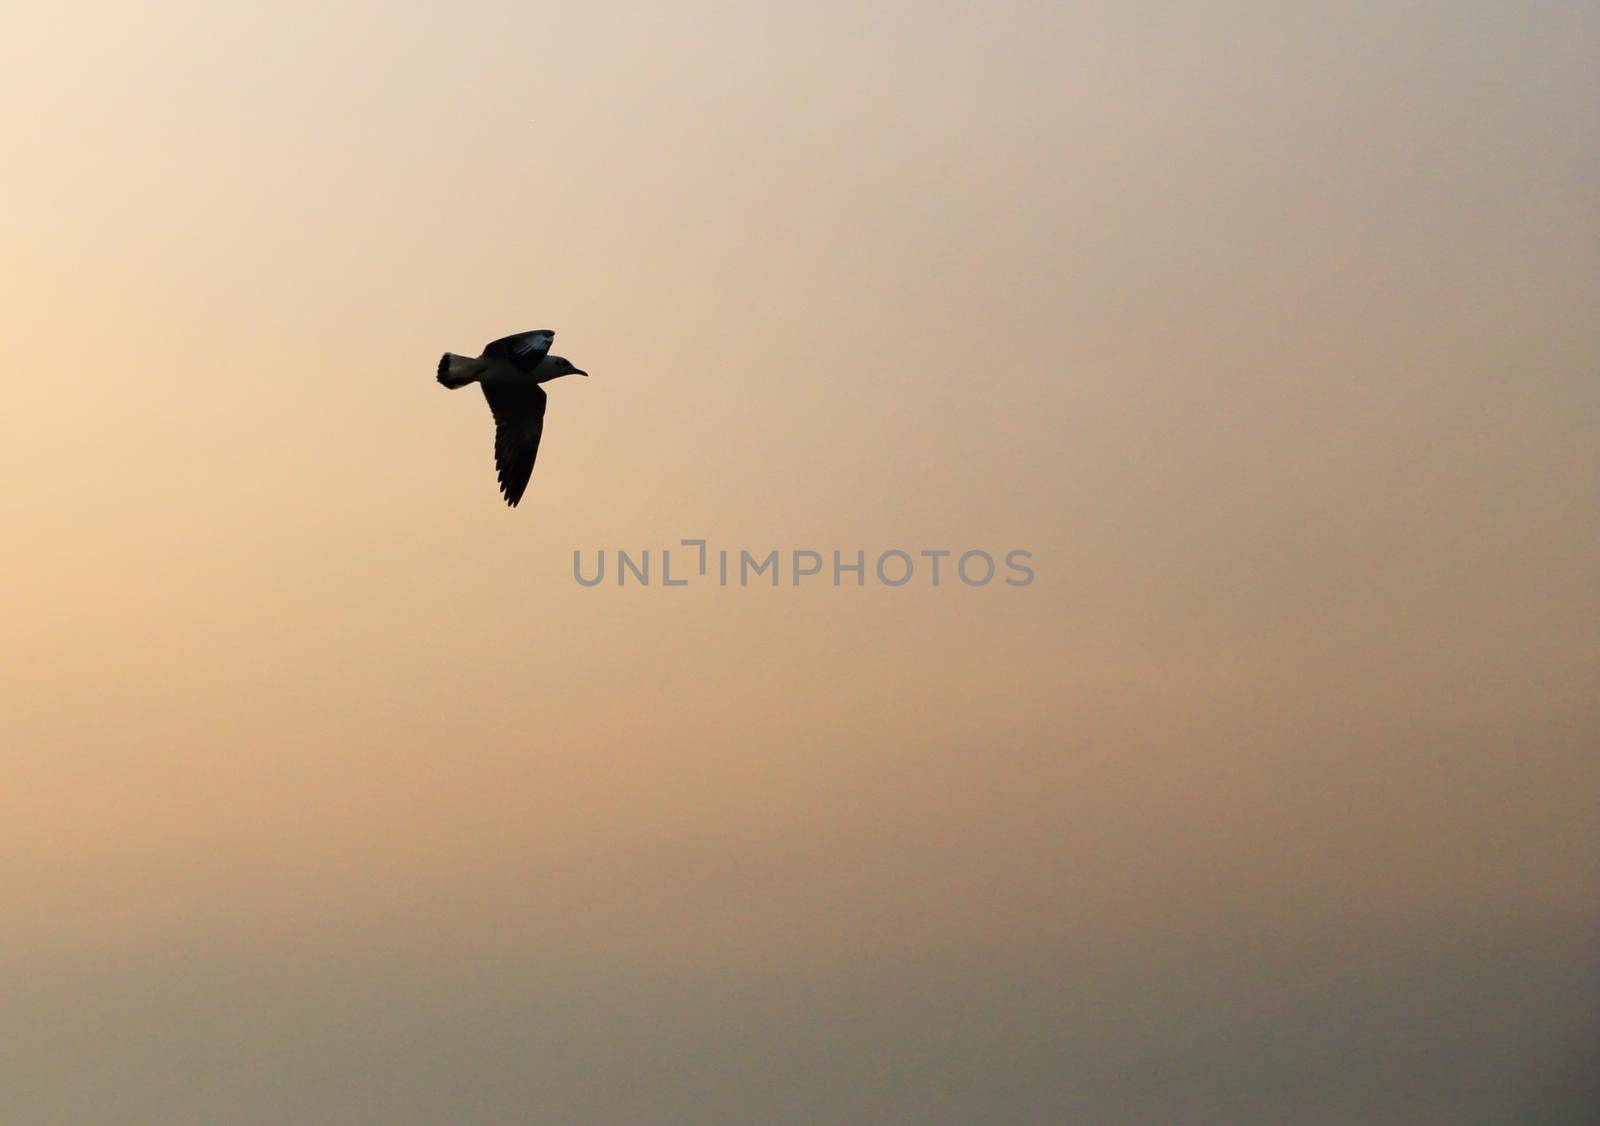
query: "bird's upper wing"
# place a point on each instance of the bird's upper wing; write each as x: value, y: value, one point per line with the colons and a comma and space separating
x: 523, y: 351
x: 518, y: 424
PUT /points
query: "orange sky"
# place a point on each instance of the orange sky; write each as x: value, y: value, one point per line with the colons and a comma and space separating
x: 1269, y: 330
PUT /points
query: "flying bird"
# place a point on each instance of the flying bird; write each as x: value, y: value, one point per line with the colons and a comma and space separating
x: 510, y: 371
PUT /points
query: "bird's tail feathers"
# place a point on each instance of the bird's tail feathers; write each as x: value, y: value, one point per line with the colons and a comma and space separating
x: 457, y: 371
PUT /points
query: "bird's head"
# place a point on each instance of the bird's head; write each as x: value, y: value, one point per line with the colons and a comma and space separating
x: 560, y: 365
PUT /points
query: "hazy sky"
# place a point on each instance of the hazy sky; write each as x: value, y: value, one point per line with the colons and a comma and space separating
x: 326, y: 794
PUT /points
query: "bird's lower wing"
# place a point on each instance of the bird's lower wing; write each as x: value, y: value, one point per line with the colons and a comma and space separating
x: 518, y: 425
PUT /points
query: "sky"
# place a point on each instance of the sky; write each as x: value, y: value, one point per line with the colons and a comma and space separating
x: 327, y: 794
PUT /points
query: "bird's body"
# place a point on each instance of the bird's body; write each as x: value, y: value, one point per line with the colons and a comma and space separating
x: 510, y: 371
x: 458, y: 371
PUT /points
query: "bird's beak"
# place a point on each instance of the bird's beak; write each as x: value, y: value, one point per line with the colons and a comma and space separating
x: 580, y: 371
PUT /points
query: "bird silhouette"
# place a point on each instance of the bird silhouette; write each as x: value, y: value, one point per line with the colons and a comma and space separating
x: 510, y: 371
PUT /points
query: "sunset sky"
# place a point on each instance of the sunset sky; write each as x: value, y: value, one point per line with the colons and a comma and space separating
x: 327, y: 795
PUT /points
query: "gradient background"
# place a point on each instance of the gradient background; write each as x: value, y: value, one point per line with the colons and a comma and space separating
x: 1271, y: 329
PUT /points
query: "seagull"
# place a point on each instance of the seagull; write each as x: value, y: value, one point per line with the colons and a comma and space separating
x: 510, y: 371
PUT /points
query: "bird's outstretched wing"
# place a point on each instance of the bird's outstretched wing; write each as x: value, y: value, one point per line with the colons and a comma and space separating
x: 518, y: 424
x: 523, y: 351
